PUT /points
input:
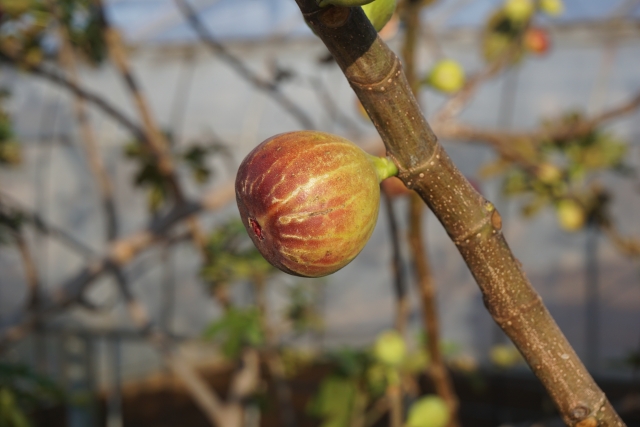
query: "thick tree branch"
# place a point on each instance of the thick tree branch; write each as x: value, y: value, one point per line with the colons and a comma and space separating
x: 473, y: 223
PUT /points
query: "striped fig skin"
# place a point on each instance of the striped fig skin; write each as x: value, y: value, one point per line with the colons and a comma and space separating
x: 309, y: 201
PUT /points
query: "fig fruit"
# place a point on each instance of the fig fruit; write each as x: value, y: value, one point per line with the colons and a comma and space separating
x: 379, y: 12
x: 429, y: 411
x: 505, y: 356
x: 310, y: 200
x: 390, y: 348
x: 571, y: 215
x: 344, y: 3
x: 519, y: 10
x: 447, y: 76
x: 552, y: 7
x: 537, y: 40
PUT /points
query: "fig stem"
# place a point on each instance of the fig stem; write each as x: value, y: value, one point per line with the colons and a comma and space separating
x: 385, y: 168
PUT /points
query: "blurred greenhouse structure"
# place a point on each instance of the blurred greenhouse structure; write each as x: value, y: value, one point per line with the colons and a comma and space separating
x: 198, y: 95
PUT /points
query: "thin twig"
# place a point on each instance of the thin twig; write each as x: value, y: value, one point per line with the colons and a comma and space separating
x: 119, y: 253
x: 30, y: 272
x: 46, y: 228
x: 270, y: 87
x: 424, y: 278
x: 89, y: 141
x: 400, y: 283
x: 154, y: 138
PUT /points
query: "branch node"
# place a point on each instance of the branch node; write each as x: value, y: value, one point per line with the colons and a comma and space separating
x: 475, y: 232
x: 408, y: 175
x: 383, y: 84
x: 506, y: 321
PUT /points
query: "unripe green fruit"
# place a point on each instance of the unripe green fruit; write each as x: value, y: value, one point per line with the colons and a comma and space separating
x: 390, y: 348
x: 310, y: 200
x: 429, y: 411
x: 504, y: 356
x: 548, y: 173
x: 518, y: 10
x: 447, y: 76
x: 571, y: 215
x: 379, y: 12
x: 344, y: 3
x: 552, y: 7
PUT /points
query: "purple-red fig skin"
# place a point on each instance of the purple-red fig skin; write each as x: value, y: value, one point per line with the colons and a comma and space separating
x: 309, y: 201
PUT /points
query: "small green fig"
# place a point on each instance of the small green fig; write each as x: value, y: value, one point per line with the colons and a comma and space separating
x: 429, y: 411
x: 505, y: 355
x: 310, y: 200
x: 379, y: 12
x: 447, y: 76
x: 344, y: 3
x: 548, y: 173
x: 390, y: 348
x: 519, y: 10
x: 571, y: 215
x: 552, y: 7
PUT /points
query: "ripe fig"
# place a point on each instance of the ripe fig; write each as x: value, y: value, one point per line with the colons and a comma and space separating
x: 310, y: 200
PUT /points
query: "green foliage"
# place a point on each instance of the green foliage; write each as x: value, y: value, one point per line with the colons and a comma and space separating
x: 236, y: 329
x: 232, y: 257
x: 195, y: 157
x: 11, y: 222
x: 301, y: 311
x: 82, y: 19
x: 428, y: 411
x: 150, y: 177
x: 9, y: 148
x: 564, y: 170
x: 11, y: 415
x: 21, y: 390
x: 357, y: 380
x: 334, y: 401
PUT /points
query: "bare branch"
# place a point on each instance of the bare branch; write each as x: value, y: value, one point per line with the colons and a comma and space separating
x: 400, y: 282
x: 270, y: 87
x: 119, y: 253
x: 89, y: 141
x: 30, y: 272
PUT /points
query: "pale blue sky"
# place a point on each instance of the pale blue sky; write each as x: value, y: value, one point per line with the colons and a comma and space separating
x: 158, y: 20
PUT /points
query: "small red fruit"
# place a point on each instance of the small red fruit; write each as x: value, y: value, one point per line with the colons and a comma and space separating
x: 537, y: 40
x: 309, y: 200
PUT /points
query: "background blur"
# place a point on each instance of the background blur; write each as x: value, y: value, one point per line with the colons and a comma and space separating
x: 80, y: 343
